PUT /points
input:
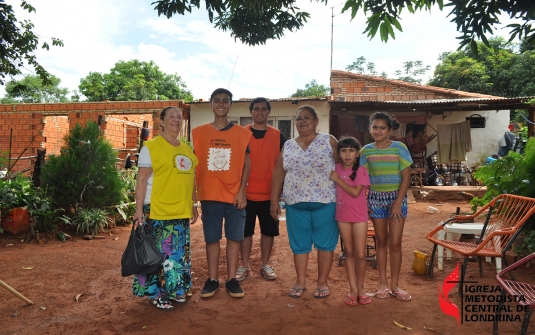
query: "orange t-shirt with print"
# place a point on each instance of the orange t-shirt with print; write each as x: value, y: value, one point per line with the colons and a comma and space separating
x: 221, y: 156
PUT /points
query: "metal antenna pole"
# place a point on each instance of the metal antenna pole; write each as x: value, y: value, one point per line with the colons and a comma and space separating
x: 332, y: 32
x: 232, y: 74
x: 332, y: 29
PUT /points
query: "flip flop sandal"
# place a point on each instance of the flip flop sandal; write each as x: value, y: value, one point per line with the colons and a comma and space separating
x: 383, y: 294
x: 351, y: 301
x: 364, y: 299
x: 161, y: 304
x: 297, y: 292
x: 180, y: 299
x: 401, y: 295
x: 318, y: 293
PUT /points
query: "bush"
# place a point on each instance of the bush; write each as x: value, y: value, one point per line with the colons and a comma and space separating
x: 84, y: 174
x: 17, y: 192
x: 127, y: 207
x: 511, y: 174
x: 89, y: 221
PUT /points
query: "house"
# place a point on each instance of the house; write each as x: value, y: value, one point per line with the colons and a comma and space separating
x: 281, y: 115
x: 421, y: 108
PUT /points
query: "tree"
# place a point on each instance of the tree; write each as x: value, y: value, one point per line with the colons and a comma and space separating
x: 134, y: 80
x: 312, y: 89
x: 32, y: 90
x: 411, y: 70
x: 18, y: 43
x: 360, y: 66
x: 255, y: 21
x: 498, y: 70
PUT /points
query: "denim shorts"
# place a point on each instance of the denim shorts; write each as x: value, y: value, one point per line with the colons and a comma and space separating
x: 213, y: 213
x: 380, y: 204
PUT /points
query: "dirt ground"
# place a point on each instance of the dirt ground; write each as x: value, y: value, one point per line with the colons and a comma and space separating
x: 53, y: 274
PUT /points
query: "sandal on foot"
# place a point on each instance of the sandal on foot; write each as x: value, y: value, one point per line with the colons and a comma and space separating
x: 162, y: 304
x: 401, y: 295
x: 320, y: 294
x: 296, y: 292
x: 180, y: 299
x: 364, y: 299
x: 383, y: 294
x: 351, y: 301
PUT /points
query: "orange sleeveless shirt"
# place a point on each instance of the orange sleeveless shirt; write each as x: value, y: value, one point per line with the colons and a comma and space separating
x: 264, y: 154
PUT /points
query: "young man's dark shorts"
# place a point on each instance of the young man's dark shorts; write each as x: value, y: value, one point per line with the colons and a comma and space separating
x: 214, y: 213
x: 268, y: 225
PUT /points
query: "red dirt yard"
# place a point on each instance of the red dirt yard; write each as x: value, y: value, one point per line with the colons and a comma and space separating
x: 54, y: 273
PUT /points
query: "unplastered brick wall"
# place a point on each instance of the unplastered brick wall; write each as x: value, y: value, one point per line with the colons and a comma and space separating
x: 368, y: 88
x: 55, y: 128
x: 29, y: 127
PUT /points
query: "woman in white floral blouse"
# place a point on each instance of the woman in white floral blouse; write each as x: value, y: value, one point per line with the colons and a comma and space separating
x: 305, y: 166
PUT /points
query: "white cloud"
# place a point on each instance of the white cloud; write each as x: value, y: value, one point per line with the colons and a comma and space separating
x: 99, y: 33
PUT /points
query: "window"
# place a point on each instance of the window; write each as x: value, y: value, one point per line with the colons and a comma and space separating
x: 285, y: 125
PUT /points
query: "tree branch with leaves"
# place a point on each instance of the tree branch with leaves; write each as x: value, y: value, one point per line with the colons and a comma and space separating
x: 254, y: 22
x: 18, y: 43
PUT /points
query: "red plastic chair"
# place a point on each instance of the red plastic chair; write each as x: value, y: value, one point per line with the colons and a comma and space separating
x: 516, y: 289
x: 505, y: 217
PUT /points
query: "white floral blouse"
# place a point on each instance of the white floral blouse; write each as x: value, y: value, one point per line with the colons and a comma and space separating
x: 308, y: 171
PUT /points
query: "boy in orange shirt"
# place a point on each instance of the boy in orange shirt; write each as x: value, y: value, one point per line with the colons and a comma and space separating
x: 222, y: 174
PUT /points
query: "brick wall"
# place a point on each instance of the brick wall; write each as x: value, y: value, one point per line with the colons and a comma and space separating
x: 346, y: 86
x: 43, y: 126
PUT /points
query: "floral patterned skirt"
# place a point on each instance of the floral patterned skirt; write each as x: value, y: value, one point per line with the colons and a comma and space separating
x: 172, y: 237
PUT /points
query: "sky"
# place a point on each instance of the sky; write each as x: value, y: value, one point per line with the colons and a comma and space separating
x: 99, y: 33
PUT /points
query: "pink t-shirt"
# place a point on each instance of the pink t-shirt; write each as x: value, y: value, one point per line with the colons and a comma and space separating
x: 348, y: 208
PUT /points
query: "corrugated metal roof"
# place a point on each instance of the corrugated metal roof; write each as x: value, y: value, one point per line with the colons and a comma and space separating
x: 273, y: 100
x: 438, y: 101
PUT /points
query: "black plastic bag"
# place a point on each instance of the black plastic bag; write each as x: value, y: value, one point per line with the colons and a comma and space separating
x: 141, y: 255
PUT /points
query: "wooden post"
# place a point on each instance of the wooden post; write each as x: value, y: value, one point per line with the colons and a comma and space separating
x: 17, y: 294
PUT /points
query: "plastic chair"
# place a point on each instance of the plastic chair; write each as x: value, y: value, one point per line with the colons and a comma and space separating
x: 505, y: 218
x: 516, y: 289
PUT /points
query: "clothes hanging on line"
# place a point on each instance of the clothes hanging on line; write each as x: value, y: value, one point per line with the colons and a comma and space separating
x: 453, y: 142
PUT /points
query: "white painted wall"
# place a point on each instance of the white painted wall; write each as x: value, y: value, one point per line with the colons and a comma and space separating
x: 484, y: 140
x: 201, y: 113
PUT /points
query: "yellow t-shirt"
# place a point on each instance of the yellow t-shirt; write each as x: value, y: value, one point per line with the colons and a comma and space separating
x: 173, y: 171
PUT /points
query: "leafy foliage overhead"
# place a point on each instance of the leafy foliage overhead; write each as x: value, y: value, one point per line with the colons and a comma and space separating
x: 251, y: 21
x: 312, y: 89
x: 18, y: 43
x: 255, y: 21
x: 499, y: 69
x: 32, y: 90
x: 134, y: 80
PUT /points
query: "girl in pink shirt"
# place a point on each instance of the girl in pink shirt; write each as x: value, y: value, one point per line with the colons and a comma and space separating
x: 352, y: 216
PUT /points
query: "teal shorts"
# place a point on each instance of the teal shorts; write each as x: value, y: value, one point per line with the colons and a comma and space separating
x: 311, y: 223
